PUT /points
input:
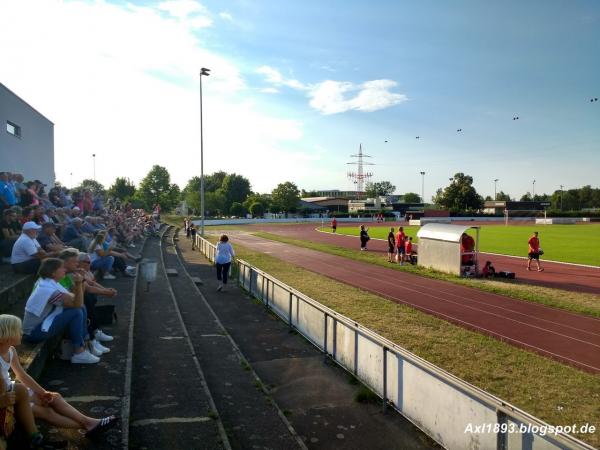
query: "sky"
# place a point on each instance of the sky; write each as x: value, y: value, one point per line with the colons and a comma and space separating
x: 295, y: 88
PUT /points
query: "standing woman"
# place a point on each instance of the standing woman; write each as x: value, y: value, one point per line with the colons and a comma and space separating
x: 391, y: 245
x: 223, y: 260
x: 364, y: 237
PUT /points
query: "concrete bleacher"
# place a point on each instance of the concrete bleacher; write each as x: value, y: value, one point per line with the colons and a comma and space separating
x: 14, y: 291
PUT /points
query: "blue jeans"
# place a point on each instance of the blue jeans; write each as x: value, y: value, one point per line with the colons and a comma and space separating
x: 75, y: 319
x: 104, y: 264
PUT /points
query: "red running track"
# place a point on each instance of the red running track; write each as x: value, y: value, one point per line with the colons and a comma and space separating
x: 564, y: 336
x: 569, y: 277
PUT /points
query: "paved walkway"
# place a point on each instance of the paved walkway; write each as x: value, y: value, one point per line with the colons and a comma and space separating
x: 564, y: 336
x: 316, y: 398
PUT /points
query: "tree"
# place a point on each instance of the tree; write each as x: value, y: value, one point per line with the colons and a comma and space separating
x: 526, y: 197
x: 236, y: 209
x: 156, y: 188
x: 286, y: 196
x: 214, y: 203
x: 379, y: 188
x: 91, y: 185
x: 459, y: 195
x: 213, y: 181
x: 122, y: 188
x: 411, y: 197
x: 257, y: 209
x: 502, y: 197
x: 263, y: 199
x: 235, y: 188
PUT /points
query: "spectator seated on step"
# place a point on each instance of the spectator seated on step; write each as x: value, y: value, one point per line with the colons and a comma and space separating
x: 26, y: 215
x: 7, y: 191
x: 70, y: 258
x: 48, y: 239
x: 74, y: 236
x: 51, y: 310
x: 20, y: 187
x: 39, y: 214
x: 27, y: 253
x: 10, y: 230
x: 89, y: 225
x: 93, y: 290
x: 100, y: 258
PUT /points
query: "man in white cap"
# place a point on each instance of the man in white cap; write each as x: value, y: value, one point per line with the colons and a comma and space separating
x: 27, y: 253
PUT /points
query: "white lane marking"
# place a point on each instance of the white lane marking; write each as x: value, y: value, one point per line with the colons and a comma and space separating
x: 144, y: 422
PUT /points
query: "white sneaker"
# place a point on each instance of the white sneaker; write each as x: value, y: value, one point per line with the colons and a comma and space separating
x: 93, y: 350
x: 109, y: 276
x: 99, y: 347
x: 101, y: 336
x: 84, y: 357
x: 131, y: 246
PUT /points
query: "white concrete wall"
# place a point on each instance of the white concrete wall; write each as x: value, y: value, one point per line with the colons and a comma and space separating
x: 32, y: 154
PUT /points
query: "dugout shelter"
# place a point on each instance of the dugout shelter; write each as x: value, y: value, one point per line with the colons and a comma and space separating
x: 442, y: 247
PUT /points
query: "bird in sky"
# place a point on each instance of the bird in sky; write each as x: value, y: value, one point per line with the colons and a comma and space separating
x: 595, y: 99
x: 418, y: 137
x: 459, y: 130
x: 516, y: 118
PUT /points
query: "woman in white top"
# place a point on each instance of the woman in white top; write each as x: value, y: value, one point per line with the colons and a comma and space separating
x: 223, y: 259
x: 51, y: 310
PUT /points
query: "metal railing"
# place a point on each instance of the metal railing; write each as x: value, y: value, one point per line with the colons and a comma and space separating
x: 451, y: 411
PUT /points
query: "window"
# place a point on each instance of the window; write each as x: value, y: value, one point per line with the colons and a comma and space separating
x: 13, y: 128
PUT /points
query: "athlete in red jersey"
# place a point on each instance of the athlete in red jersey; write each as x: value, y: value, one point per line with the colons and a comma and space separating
x: 534, y: 252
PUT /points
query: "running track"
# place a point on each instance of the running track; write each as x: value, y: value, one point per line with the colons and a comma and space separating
x: 567, y: 337
x: 555, y: 275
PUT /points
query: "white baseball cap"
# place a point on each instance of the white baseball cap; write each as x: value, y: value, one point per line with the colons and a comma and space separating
x: 31, y: 226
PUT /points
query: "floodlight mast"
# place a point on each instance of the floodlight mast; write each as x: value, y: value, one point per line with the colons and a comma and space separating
x: 203, y: 72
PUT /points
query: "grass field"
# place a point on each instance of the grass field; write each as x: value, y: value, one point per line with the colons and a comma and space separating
x: 554, y: 392
x: 578, y: 244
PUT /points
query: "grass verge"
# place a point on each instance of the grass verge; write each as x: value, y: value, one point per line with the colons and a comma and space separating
x: 577, y: 302
x: 552, y: 391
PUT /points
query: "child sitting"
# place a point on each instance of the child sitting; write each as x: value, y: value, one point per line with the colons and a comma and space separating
x: 34, y: 401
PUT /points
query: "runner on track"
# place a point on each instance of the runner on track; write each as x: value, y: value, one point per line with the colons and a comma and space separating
x: 534, y: 252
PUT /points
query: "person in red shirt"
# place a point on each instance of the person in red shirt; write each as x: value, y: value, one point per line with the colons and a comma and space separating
x: 467, y: 245
x: 334, y: 224
x: 534, y: 252
x: 400, y: 245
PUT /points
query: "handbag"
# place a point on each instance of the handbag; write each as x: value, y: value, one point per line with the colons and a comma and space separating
x: 540, y: 252
x: 105, y: 315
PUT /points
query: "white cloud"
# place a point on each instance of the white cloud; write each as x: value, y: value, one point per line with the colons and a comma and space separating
x: 331, y: 97
x: 131, y: 95
x: 275, y: 77
x: 270, y: 90
x: 226, y: 16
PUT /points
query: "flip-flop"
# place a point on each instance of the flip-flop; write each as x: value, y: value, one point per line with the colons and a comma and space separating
x: 540, y: 270
x: 105, y: 424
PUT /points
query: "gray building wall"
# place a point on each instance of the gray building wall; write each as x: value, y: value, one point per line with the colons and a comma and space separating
x: 31, y: 154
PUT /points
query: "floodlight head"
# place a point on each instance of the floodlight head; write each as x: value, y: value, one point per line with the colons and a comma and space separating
x: 204, y: 71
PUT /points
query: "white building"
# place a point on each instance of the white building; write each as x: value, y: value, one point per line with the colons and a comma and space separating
x: 26, y: 139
